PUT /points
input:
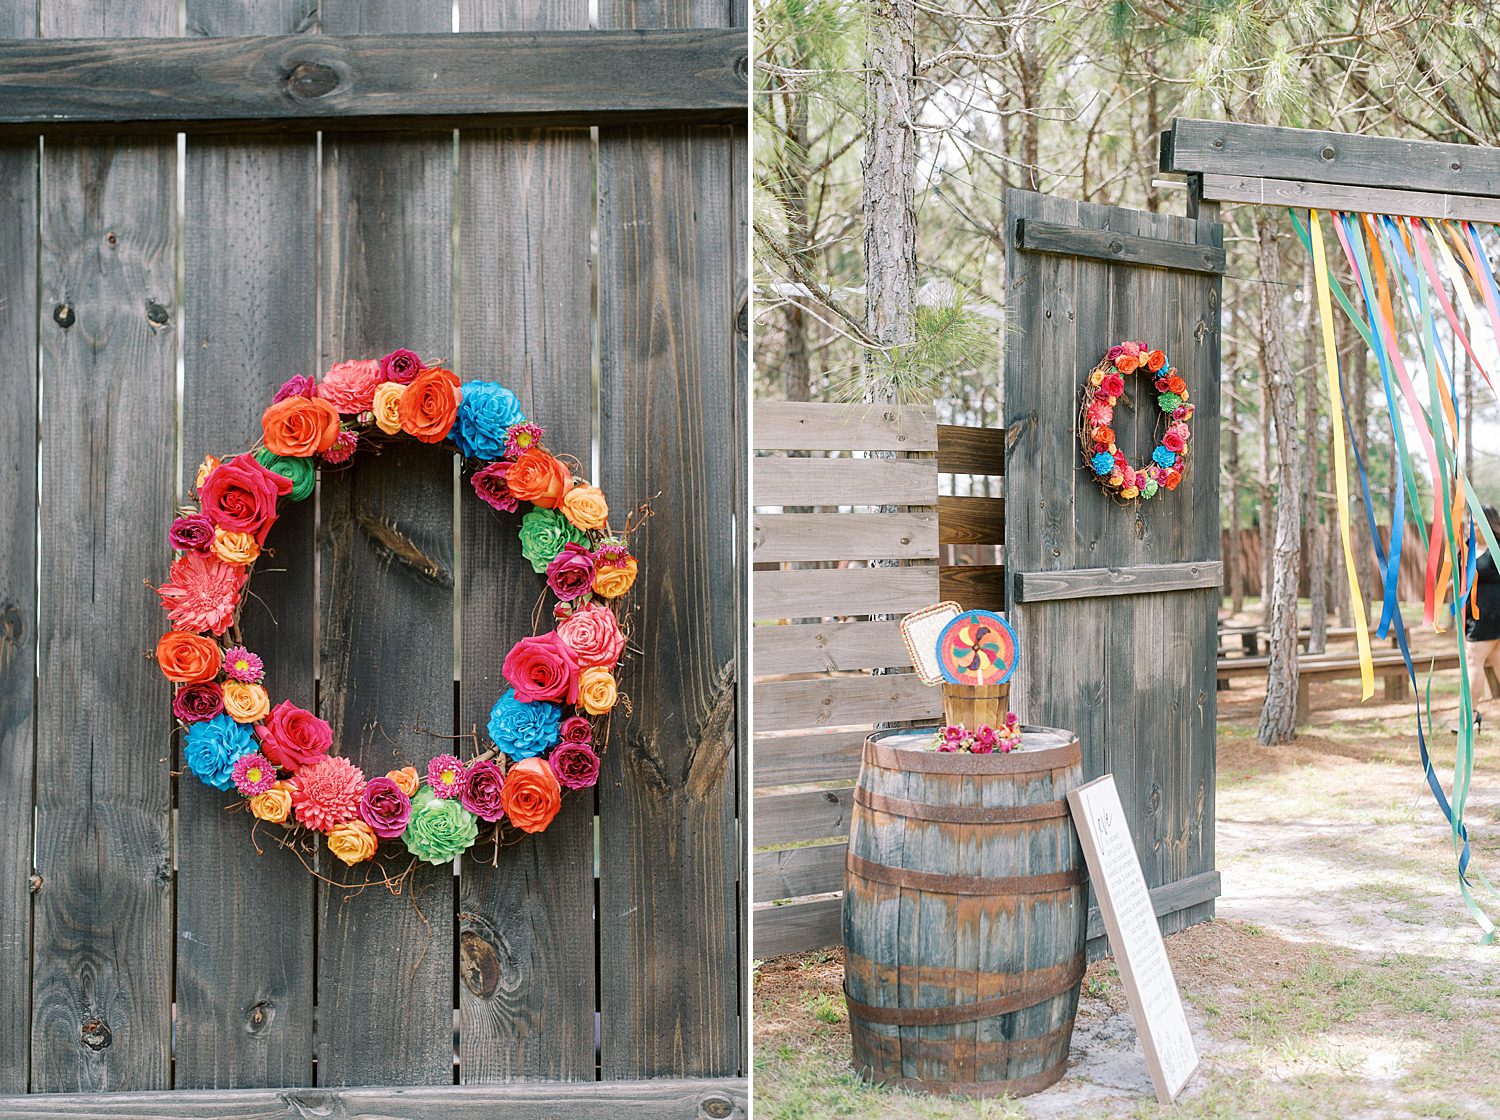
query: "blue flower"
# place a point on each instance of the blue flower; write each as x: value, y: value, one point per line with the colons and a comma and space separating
x: 1102, y: 463
x: 211, y: 749
x: 1164, y: 457
x: 521, y: 728
x: 484, y: 414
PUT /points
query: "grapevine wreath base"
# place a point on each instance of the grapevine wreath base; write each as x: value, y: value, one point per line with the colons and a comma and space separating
x: 282, y: 759
x: 1104, y: 388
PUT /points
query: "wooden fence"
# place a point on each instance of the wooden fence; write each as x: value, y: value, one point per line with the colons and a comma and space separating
x: 848, y: 533
x: 144, y: 943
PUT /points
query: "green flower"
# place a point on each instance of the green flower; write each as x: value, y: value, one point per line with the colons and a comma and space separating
x: 440, y: 828
x: 1149, y: 490
x: 1168, y: 401
x: 300, y: 471
x: 543, y: 534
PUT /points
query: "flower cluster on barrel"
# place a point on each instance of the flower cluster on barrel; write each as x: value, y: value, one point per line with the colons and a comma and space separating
x: 282, y: 758
x: 955, y: 737
x: 1105, y: 386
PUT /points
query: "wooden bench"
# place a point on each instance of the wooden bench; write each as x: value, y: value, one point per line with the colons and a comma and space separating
x: 1251, y: 637
x: 1389, y: 667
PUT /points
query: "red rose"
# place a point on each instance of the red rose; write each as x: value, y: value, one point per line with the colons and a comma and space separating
x: 1174, y: 442
x: 239, y: 496
x: 542, y: 668
x: 489, y: 484
x: 292, y: 737
x: 1113, y: 384
x: 576, y: 729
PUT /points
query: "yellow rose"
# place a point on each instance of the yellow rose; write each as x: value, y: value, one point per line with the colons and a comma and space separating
x: 596, y: 690
x: 275, y: 805
x: 246, y: 703
x: 235, y: 548
x: 612, y: 581
x: 585, y: 507
x: 1096, y: 378
x: 1116, y: 478
x: 353, y: 842
x: 387, y: 406
x: 406, y: 780
x: 208, y: 464
x: 1129, y: 492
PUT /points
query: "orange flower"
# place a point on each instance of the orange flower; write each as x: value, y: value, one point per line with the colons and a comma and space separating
x: 429, y: 405
x: 1176, y: 385
x: 353, y: 842
x: 406, y: 779
x: 531, y: 795
x: 1155, y: 360
x: 1172, y: 479
x: 300, y: 426
x: 188, y: 658
x: 612, y: 581
x: 538, y: 478
x: 387, y: 406
x: 586, y: 508
x: 1104, y: 435
x: 1127, y: 363
x: 275, y: 805
x: 205, y: 468
x: 246, y: 703
x: 597, y: 691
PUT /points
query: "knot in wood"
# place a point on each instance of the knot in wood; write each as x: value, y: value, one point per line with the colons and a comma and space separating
x: 309, y: 80
x: 716, y: 1107
x: 94, y: 1033
x: 478, y: 964
x: 156, y: 314
x: 259, y: 1017
x: 63, y: 315
x: 1117, y: 246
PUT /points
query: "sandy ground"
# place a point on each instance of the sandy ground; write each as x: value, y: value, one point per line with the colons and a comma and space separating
x: 1342, y: 977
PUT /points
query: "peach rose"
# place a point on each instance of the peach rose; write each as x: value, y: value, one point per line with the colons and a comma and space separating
x: 613, y: 580
x: 205, y: 468
x: 532, y: 795
x: 1127, y: 363
x: 538, y: 478
x: 387, y: 406
x: 406, y: 779
x: 350, y: 386
x: 246, y: 703
x: 429, y: 405
x: 300, y: 426
x: 188, y: 658
x: 586, y: 508
x: 353, y: 841
x: 235, y: 548
x: 597, y: 692
x: 275, y: 805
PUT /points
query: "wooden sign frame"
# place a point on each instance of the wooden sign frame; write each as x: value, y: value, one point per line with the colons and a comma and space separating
x: 1134, y: 935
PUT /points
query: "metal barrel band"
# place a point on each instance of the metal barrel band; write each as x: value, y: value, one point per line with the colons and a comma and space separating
x: 962, y: 884
x: 960, y: 814
x: 960, y: 762
x: 1036, y: 988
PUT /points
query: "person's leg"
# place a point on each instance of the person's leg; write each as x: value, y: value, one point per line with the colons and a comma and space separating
x: 1478, y: 655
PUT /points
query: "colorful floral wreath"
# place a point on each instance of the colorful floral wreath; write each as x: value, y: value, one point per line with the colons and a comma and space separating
x: 282, y: 759
x: 1106, y: 384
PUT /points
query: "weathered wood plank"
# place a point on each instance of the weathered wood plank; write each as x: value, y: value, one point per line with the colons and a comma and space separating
x: 825, y: 592
x: 793, y: 872
x: 739, y: 147
x: 1035, y: 236
x: 813, y: 756
x: 789, y: 818
x: 1339, y: 196
x: 628, y: 1100
x: 828, y: 647
x: 804, y: 426
x: 780, y: 481
x: 1229, y: 148
x: 777, y: 537
x: 669, y: 863
x: 18, y: 581
x: 843, y: 701
x: 525, y: 295
x: 102, y: 933
x: 245, y: 986
x: 1167, y: 899
x: 370, y: 81
x: 973, y: 586
x: 796, y: 927
x: 963, y: 520
x: 1144, y: 579
x: 964, y: 450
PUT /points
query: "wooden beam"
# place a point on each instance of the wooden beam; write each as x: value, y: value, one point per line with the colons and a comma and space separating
x: 1265, y: 151
x: 279, y: 82
x: 814, y: 426
x: 828, y: 647
x: 781, y: 481
x: 1084, y: 583
x: 797, y: 926
x: 963, y: 450
x: 1170, y: 898
x: 794, y: 872
x: 839, y: 592
x: 1339, y: 196
x: 1035, y: 236
x: 973, y: 586
x: 971, y: 520
x: 778, y: 537
x: 841, y: 702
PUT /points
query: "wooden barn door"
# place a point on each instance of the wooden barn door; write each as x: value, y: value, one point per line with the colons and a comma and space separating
x: 1116, y: 605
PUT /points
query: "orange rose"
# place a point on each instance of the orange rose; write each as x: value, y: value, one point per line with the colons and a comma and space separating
x: 1155, y: 360
x: 205, y: 468
x: 597, y: 691
x: 1104, y: 435
x: 246, y: 703
x: 1176, y: 385
x: 353, y: 841
x: 387, y: 406
x: 406, y: 780
x: 612, y: 581
x: 538, y: 478
x: 188, y: 658
x: 275, y: 805
x: 586, y: 508
x: 1172, y: 480
x: 300, y: 426
x: 235, y: 548
x: 429, y: 405
x: 1127, y: 363
x: 531, y: 795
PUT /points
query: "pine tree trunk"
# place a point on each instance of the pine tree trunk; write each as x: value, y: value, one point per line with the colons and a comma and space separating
x: 1234, y: 557
x: 1267, y: 513
x: 1314, y: 537
x: 888, y: 170
x: 796, y: 176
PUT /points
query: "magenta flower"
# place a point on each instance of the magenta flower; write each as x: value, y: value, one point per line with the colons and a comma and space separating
x: 571, y: 572
x: 242, y: 665
x: 385, y: 807
x: 193, y: 532
x: 519, y: 437
x: 253, y: 774
x: 575, y: 765
x: 482, y: 790
x: 299, y: 386
x: 343, y: 449
x: 445, y: 774
x: 576, y: 729
x: 194, y: 703
x: 401, y: 366
x: 489, y: 483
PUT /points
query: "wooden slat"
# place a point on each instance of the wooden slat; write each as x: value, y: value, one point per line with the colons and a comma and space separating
x: 828, y: 592
x: 627, y: 1100
x: 385, y: 247
x: 372, y: 81
x: 1141, y: 579
x: 787, y: 818
x: 797, y: 926
x: 973, y: 586
x: 780, y: 481
x: 971, y: 520
x: 1339, y: 196
x: 843, y: 536
x: 970, y: 450
x: 102, y: 933
x: 18, y: 581
x: 792, y: 872
x: 669, y: 890
x: 842, y: 701
x: 526, y: 1010
x: 823, y: 647
x: 813, y: 756
x: 1166, y: 899
x: 803, y: 426
x: 1035, y: 236
x: 1229, y: 148
x: 245, y: 985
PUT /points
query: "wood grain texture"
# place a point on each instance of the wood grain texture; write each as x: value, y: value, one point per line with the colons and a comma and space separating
x: 1145, y: 579
x: 843, y: 701
x: 670, y: 855
x: 1337, y: 196
x: 809, y: 814
x: 804, y: 426
x: 809, y: 756
x: 245, y: 986
x: 726, y: 1098
x: 404, y: 80
x: 792, y: 872
x: 974, y: 586
x: 795, y: 927
x: 102, y: 933
x: 18, y: 584
x: 781, y: 481
x: 782, y: 537
x: 963, y: 520
x: 970, y: 450
x: 828, y: 647
x: 827, y: 592
x: 524, y: 313
x: 1106, y: 244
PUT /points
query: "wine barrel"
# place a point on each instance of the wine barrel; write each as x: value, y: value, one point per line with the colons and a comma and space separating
x: 965, y: 913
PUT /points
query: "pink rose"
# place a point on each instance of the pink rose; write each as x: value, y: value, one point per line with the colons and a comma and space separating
x: 576, y: 729
x: 1113, y: 384
x: 195, y: 703
x: 401, y: 366
x: 192, y: 533
x: 239, y: 496
x: 542, y: 668
x: 571, y: 572
x: 299, y: 385
x: 484, y: 785
x: 385, y: 807
x: 491, y: 486
x: 350, y: 386
x: 293, y: 737
x: 1173, y: 441
x: 1113, y: 352
x: 593, y: 635
x: 575, y: 765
